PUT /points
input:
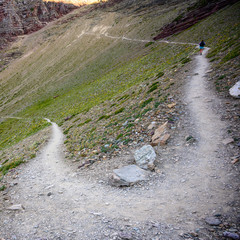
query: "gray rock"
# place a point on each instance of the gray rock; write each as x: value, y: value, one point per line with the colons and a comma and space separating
x: 230, y: 235
x: 227, y: 141
x: 145, y: 157
x: 213, y: 221
x: 127, y: 176
x: 125, y: 236
x: 16, y: 207
x: 235, y: 90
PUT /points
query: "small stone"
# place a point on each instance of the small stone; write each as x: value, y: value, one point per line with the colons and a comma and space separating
x: 171, y: 105
x: 230, y: 235
x: 16, y: 207
x: 235, y: 160
x: 152, y: 125
x: 235, y: 90
x: 190, y: 139
x: 68, y: 118
x: 49, y: 194
x: 125, y: 235
x: 96, y: 213
x: 227, y: 141
x: 212, y: 221
x: 232, y: 230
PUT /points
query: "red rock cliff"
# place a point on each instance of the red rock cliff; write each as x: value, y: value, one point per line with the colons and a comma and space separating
x: 24, y: 16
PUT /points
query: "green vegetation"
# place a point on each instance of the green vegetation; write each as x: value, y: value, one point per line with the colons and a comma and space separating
x: 221, y: 32
x: 185, y: 60
x: 178, y: 18
x: 104, y: 117
x: 145, y: 103
x: 87, y: 121
x: 160, y: 74
x: 153, y: 87
x: 119, y: 111
x: 14, y: 130
x: 74, y: 78
x: 149, y: 44
x: 6, y: 167
x: 2, y: 188
x: 232, y: 54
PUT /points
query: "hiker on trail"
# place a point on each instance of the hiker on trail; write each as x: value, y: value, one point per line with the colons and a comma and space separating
x: 201, y: 46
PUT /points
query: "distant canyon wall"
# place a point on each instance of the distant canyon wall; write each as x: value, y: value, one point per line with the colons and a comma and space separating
x: 19, y: 17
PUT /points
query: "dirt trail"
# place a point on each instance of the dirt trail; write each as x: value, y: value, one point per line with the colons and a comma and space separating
x: 62, y: 203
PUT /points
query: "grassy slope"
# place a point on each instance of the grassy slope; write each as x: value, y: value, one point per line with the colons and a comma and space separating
x: 98, y: 82
x: 221, y: 32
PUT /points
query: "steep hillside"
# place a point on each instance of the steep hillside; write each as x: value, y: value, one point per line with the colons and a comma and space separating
x: 108, y: 88
x: 92, y: 74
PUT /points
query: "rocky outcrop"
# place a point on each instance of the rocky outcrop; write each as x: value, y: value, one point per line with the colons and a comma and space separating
x: 187, y: 20
x: 19, y: 17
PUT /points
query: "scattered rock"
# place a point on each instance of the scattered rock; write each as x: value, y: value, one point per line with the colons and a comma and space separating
x: 235, y: 160
x: 234, y: 236
x: 161, y: 135
x: 125, y: 235
x: 152, y: 125
x: 145, y: 157
x: 96, y: 214
x: 190, y: 139
x: 171, y: 105
x: 213, y: 221
x: 235, y: 90
x: 127, y: 176
x: 87, y: 163
x: 68, y: 118
x: 227, y: 141
x: 16, y: 207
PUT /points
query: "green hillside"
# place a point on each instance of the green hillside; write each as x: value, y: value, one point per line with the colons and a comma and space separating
x: 100, y: 89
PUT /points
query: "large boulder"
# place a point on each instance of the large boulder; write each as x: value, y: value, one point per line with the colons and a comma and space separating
x: 145, y: 157
x: 127, y: 176
x: 235, y: 90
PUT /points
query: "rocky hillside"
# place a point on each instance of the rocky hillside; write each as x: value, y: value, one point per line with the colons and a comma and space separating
x: 193, y: 15
x: 19, y: 17
x: 100, y: 76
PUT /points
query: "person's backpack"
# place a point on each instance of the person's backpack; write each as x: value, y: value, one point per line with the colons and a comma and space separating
x: 202, y: 44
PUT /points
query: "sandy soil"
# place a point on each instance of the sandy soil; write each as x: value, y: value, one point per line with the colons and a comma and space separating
x: 191, y: 182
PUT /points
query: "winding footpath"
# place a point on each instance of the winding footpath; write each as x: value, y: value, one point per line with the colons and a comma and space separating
x: 60, y: 203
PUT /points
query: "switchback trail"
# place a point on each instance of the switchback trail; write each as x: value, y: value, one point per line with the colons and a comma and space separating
x: 62, y: 203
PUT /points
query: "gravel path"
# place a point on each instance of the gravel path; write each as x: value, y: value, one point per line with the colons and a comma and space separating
x: 192, y: 181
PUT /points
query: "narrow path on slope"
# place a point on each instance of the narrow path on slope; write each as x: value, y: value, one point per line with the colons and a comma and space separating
x: 60, y: 203
x: 103, y: 33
